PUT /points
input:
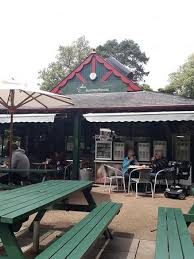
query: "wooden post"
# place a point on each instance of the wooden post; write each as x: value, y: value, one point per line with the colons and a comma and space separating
x: 76, y: 145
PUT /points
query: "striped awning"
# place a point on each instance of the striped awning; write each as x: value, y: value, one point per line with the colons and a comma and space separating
x: 140, y: 116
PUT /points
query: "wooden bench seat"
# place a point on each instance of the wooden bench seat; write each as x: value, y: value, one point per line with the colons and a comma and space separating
x: 75, y: 243
x: 173, y: 238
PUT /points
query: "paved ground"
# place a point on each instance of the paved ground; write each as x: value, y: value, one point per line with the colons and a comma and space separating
x: 134, y: 227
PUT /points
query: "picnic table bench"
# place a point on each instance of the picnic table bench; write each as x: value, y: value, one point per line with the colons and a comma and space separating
x: 173, y: 239
x: 18, y: 204
x: 76, y: 242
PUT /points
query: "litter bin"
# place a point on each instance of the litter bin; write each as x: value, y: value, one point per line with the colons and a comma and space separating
x: 86, y: 174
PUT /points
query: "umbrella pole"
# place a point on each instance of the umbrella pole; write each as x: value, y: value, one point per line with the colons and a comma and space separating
x: 10, y: 139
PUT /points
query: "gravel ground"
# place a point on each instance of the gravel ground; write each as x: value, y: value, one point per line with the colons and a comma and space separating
x: 138, y: 217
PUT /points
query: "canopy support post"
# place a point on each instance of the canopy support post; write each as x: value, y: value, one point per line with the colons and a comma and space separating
x: 76, y: 145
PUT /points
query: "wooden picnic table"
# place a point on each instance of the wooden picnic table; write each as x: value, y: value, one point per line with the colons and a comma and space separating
x: 18, y: 204
x: 42, y: 172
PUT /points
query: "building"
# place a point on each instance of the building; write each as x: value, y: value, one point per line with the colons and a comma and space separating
x: 104, y: 96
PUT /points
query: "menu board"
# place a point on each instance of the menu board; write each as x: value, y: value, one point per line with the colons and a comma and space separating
x: 144, y: 151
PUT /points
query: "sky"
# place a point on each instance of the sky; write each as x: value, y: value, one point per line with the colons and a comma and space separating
x: 32, y: 30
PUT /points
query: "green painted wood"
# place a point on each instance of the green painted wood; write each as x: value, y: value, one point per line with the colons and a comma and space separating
x: 185, y: 238
x: 42, y: 202
x: 191, y: 211
x: 89, y: 240
x: 11, y: 193
x: 161, y: 239
x: 76, y: 145
x: 10, y: 243
x: 23, y: 200
x: 92, y: 225
x: 175, y: 250
x: 27, y: 193
x: 58, y: 244
x: 189, y: 218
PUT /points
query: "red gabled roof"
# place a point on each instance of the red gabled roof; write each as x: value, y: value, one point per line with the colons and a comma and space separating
x: 93, y: 57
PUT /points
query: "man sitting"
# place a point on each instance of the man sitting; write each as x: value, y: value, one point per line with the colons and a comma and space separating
x: 19, y: 161
x: 158, y: 163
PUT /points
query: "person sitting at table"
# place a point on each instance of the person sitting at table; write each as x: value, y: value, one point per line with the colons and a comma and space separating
x: 128, y: 160
x: 19, y: 161
x: 158, y: 163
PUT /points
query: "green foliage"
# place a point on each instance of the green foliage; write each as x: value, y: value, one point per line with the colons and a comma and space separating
x: 68, y: 58
x: 146, y: 87
x: 182, y: 81
x: 128, y: 53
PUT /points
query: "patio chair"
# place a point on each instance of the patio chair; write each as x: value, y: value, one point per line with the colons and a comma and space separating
x: 67, y: 170
x: 143, y: 177
x: 112, y: 173
x: 160, y: 175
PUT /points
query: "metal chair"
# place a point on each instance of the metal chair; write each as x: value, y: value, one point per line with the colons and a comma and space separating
x: 159, y: 174
x: 66, y: 168
x: 144, y: 177
x: 112, y: 173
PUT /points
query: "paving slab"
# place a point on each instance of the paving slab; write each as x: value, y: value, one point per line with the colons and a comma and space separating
x: 145, y: 250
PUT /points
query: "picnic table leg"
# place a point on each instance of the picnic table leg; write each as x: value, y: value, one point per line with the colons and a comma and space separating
x: 10, y: 243
x: 89, y: 198
x: 38, y: 217
x: 36, y: 235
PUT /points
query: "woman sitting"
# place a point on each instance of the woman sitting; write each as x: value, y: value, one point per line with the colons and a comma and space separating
x: 128, y: 160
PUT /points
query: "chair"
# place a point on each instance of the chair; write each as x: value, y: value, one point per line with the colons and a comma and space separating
x: 160, y: 173
x: 144, y: 177
x: 112, y: 173
x: 66, y: 169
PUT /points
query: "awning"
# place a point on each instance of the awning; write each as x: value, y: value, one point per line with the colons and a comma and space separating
x: 140, y: 116
x: 5, y: 118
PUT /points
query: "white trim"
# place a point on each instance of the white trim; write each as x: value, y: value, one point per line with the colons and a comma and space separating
x: 140, y: 116
x: 5, y: 118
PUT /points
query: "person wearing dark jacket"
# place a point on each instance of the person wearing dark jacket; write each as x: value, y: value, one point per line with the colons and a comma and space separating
x: 158, y: 163
x: 20, y: 161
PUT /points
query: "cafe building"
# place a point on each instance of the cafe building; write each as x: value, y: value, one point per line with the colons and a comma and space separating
x: 110, y: 115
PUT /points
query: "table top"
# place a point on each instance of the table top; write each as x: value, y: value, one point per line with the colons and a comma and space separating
x: 20, y: 203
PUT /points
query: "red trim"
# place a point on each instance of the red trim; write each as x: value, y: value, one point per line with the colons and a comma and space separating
x: 93, y: 70
x: 72, y: 74
x: 93, y: 58
x: 131, y: 85
x: 107, y: 75
x: 80, y: 77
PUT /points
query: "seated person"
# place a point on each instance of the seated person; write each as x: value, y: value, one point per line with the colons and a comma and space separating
x: 19, y: 161
x: 128, y: 160
x: 158, y: 163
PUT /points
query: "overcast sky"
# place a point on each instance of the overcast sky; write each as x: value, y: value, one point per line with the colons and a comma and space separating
x: 32, y: 30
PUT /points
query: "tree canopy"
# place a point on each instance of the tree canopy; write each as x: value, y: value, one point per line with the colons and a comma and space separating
x: 69, y: 57
x: 128, y: 53
x: 181, y: 82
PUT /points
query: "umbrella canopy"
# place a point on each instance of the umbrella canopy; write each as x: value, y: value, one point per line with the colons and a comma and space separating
x: 16, y: 97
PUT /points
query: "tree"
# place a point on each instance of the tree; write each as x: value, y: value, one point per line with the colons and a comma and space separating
x: 68, y: 58
x: 128, y: 53
x: 181, y: 82
x: 146, y: 87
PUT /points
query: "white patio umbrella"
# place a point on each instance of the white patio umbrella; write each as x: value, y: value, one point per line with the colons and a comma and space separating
x: 16, y: 97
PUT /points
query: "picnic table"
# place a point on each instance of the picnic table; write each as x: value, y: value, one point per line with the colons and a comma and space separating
x: 173, y: 238
x: 18, y: 204
x: 42, y: 172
